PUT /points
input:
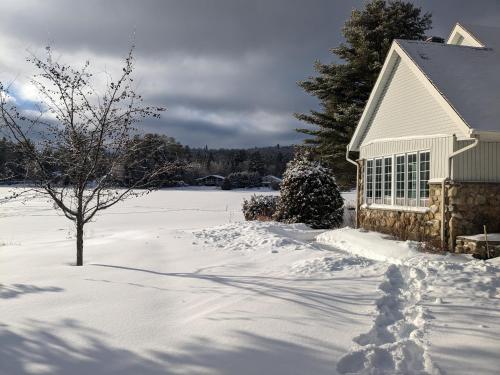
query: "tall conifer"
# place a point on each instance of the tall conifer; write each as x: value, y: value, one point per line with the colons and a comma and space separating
x: 343, y: 86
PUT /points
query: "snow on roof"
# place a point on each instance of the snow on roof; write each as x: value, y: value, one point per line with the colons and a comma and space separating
x: 271, y: 177
x: 494, y: 237
x: 467, y: 77
x: 212, y: 175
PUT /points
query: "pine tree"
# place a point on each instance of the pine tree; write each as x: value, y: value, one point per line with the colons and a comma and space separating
x: 256, y: 164
x: 343, y: 88
x: 309, y: 195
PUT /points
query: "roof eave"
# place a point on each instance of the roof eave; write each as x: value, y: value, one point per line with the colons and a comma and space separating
x: 486, y: 135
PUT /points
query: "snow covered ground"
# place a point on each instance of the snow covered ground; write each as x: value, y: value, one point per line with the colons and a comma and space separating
x: 176, y: 283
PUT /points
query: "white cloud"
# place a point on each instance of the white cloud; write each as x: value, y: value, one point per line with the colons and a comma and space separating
x: 257, y: 121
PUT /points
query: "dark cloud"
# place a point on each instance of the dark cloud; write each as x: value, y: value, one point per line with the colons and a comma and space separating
x: 225, y: 69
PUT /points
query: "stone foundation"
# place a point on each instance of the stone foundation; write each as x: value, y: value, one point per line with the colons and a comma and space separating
x: 406, y: 224
x: 469, y: 206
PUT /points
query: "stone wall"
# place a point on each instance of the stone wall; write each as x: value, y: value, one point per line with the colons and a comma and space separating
x: 406, y: 224
x: 469, y: 206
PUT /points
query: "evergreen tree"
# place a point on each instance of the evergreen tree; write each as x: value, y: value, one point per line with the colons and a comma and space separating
x: 309, y: 195
x: 343, y: 88
x: 150, y: 151
x: 256, y: 164
x: 279, y: 164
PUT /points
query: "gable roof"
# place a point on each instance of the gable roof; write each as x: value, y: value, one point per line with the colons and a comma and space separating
x: 464, y: 79
x: 468, y: 77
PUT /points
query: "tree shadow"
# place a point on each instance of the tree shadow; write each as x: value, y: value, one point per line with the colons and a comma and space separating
x: 38, y: 348
x: 285, y: 289
x: 17, y: 290
x: 254, y: 354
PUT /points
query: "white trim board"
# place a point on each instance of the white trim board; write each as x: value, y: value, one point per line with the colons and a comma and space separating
x: 386, y: 207
x: 460, y: 30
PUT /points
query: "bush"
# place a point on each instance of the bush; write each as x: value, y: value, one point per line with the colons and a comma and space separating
x: 245, y: 179
x: 310, y: 195
x: 260, y: 207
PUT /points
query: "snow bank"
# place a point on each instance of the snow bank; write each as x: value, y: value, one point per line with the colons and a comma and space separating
x: 257, y: 235
x: 326, y: 266
x: 370, y: 245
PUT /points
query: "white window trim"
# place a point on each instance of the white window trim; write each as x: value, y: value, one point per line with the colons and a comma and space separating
x: 365, y: 182
x: 405, y: 190
x: 381, y: 180
x: 393, y: 206
x: 393, y: 197
x: 419, y: 162
x: 416, y: 179
x: 388, y: 207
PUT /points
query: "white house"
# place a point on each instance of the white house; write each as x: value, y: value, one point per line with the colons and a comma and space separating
x: 211, y: 180
x: 429, y: 139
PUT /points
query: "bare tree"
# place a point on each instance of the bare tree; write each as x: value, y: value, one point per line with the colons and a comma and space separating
x: 76, y: 145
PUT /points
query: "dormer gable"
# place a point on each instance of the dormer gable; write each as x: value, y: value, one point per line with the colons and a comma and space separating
x: 461, y: 36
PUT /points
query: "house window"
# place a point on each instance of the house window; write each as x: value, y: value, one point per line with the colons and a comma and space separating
x: 378, y: 181
x: 400, y: 180
x: 411, y: 178
x: 369, y: 181
x: 387, y: 180
x: 424, y: 178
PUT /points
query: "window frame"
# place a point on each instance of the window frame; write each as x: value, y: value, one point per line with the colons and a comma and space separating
x: 378, y: 180
x: 412, y: 202
x: 400, y: 201
x: 423, y: 201
x: 366, y: 182
x: 392, y: 199
x: 387, y: 197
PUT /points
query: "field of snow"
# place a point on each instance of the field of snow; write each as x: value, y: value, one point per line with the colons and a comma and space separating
x: 176, y: 283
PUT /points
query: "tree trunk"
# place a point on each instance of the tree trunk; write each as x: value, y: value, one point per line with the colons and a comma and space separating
x: 79, y: 241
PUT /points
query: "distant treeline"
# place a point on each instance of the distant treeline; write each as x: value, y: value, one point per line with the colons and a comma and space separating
x: 192, y: 163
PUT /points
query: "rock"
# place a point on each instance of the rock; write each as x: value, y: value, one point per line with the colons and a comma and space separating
x: 480, y: 199
x: 453, y: 191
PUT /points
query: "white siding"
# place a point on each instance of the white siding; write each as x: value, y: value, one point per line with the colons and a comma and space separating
x: 439, y: 147
x: 406, y: 108
x: 464, y: 39
x: 481, y: 164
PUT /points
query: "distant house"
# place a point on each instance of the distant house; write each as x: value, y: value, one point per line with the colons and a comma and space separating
x: 271, y: 181
x: 429, y: 139
x: 211, y: 180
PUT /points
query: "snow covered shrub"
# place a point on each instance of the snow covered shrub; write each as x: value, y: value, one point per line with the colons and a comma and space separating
x: 309, y: 195
x: 260, y: 207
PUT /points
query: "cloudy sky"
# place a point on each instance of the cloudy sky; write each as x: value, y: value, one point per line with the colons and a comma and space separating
x: 225, y: 69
